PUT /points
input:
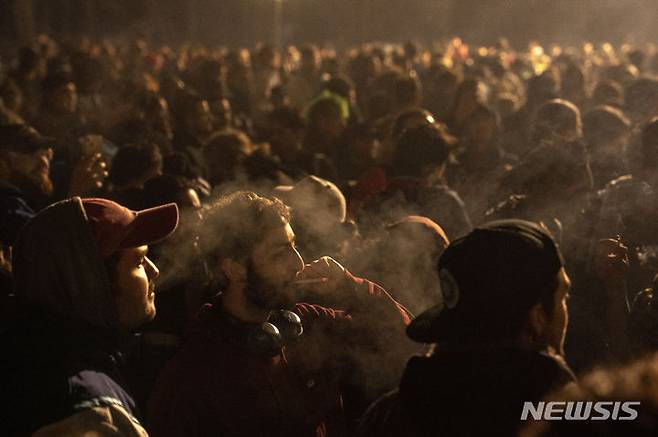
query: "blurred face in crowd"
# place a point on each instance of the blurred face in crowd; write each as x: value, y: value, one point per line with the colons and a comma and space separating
x: 29, y: 171
x: 286, y: 142
x: 12, y: 98
x: 134, y: 288
x: 331, y: 125
x: 273, y: 266
x: 221, y: 111
x: 64, y: 98
x: 200, y: 119
x: 480, y: 131
x: 162, y: 117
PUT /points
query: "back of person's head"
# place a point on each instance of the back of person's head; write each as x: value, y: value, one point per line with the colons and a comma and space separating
x: 608, y: 92
x: 413, y: 278
x: 207, y: 79
x: 621, y: 73
x: 542, y: 87
x: 340, y: 85
x: 59, y: 92
x: 319, y: 211
x: 229, y: 142
x: 627, y: 396
x: 482, y: 124
x: 322, y: 109
x: 556, y: 119
x: 573, y: 81
x: 407, y: 92
x: 135, y: 163
x: 411, y: 118
x: 641, y: 98
x: 418, y: 230
x: 223, y: 152
x: 378, y: 106
x: 287, y: 118
x: 419, y: 148
x: 315, y: 201
x: 186, y: 106
x: 604, y: 124
x: 178, y: 164
x: 165, y: 189
x: 28, y: 59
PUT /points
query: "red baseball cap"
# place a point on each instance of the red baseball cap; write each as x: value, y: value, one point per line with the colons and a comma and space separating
x: 116, y: 227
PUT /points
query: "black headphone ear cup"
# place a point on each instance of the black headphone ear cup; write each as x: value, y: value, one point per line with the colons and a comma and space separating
x: 265, y: 338
x: 290, y: 325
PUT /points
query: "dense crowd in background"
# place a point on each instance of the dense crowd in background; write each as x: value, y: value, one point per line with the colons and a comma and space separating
x: 384, y: 154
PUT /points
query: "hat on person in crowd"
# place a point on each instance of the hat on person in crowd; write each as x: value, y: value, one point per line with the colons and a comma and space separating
x: 311, y: 193
x: 116, y: 227
x: 489, y: 280
x: 22, y: 138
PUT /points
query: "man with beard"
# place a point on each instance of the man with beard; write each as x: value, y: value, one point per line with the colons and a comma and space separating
x: 24, y: 176
x: 255, y: 362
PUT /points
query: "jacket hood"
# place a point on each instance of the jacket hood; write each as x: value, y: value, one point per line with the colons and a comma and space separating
x: 57, y: 266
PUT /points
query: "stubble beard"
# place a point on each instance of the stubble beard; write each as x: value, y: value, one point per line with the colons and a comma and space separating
x: 264, y: 295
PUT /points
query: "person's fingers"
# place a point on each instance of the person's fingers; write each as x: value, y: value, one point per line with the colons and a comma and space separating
x: 608, y: 246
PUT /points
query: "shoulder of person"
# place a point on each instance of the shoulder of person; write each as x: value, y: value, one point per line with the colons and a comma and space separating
x: 107, y: 420
x: 92, y: 388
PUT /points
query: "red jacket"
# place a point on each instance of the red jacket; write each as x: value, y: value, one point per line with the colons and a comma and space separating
x: 215, y: 387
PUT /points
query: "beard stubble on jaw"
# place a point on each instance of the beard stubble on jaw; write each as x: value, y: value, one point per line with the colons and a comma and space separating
x: 263, y: 294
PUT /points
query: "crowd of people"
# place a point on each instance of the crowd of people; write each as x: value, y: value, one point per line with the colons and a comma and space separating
x: 393, y: 239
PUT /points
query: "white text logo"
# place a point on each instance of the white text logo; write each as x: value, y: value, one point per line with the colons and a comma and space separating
x: 580, y: 410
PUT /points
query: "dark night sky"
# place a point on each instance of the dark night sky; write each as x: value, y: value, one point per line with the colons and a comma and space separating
x: 341, y: 22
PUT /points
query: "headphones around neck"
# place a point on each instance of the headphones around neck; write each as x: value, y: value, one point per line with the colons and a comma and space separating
x: 267, y: 338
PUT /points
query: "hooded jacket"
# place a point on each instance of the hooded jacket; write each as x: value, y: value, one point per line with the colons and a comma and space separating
x: 61, y: 354
x: 466, y: 393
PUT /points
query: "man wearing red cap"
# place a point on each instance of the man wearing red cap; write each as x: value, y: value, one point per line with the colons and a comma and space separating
x: 83, y: 283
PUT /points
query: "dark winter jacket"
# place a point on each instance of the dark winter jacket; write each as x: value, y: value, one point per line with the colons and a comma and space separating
x: 60, y: 358
x: 465, y: 393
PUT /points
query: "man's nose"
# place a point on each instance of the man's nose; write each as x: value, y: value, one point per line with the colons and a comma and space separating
x: 152, y: 270
x: 48, y: 153
x: 299, y: 261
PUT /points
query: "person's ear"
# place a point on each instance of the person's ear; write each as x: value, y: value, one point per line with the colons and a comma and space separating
x: 538, y: 321
x: 234, y: 271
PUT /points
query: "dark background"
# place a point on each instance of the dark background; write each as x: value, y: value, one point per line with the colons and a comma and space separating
x: 341, y: 22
